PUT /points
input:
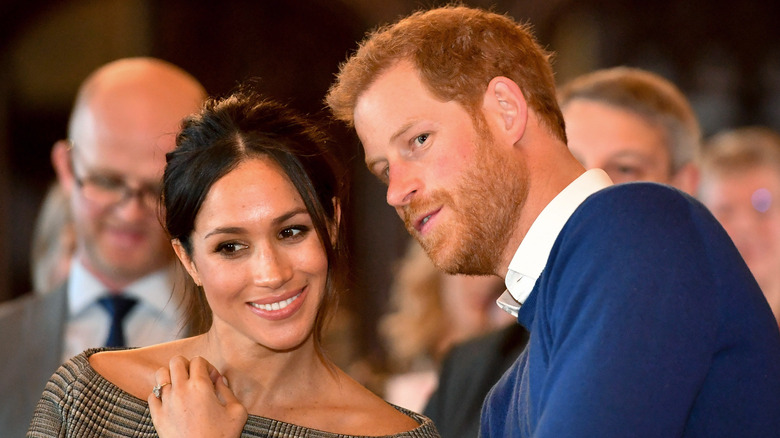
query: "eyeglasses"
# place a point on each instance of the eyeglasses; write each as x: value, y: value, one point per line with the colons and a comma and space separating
x: 111, y: 190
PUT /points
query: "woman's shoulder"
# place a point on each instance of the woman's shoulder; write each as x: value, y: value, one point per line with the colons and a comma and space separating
x: 132, y: 369
x: 390, y: 421
x: 75, y: 368
x: 370, y: 413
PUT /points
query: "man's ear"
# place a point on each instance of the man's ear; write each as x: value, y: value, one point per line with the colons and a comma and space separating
x: 60, y: 160
x: 185, y: 259
x: 505, y: 108
x: 687, y: 179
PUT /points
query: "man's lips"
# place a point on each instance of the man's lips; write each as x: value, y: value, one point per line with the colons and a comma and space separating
x: 423, y: 220
x: 127, y: 236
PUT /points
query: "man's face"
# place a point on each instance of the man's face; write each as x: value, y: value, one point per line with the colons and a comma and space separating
x: 122, y: 241
x: 747, y: 204
x: 618, y: 141
x: 455, y: 193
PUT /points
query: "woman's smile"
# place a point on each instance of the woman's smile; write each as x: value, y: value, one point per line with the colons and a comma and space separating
x: 280, y: 308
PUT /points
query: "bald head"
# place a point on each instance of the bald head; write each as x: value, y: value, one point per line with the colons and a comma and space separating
x: 136, y: 96
x: 125, y: 119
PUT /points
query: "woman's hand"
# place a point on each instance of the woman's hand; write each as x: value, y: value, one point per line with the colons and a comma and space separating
x: 195, y: 401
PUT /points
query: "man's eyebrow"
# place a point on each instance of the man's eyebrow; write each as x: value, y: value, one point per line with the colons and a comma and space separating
x: 373, y: 162
x: 405, y: 127
x: 370, y: 163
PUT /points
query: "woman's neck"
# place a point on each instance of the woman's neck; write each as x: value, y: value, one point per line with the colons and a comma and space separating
x: 262, y: 378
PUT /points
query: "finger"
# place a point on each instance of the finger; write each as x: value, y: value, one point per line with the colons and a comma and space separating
x: 155, y: 406
x: 201, y: 369
x: 214, y: 374
x: 179, y: 369
x: 162, y: 375
x: 224, y: 393
x: 162, y: 378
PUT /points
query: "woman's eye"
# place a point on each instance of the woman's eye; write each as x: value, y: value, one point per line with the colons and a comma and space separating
x: 296, y: 232
x: 229, y: 248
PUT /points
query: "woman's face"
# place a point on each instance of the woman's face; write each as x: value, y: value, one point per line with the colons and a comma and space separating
x: 255, y: 252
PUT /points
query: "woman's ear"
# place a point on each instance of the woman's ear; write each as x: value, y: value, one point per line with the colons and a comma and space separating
x: 505, y: 109
x: 185, y: 259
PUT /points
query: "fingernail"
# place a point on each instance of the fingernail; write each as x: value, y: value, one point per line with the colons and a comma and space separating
x: 224, y: 380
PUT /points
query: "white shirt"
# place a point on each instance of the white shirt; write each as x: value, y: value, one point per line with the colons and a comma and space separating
x: 532, y: 254
x: 155, y: 317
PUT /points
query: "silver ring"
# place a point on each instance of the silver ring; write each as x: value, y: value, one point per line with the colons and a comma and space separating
x: 157, y: 390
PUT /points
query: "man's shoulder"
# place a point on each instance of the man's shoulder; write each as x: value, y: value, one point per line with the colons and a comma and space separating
x: 32, y: 305
x: 32, y: 319
x: 644, y: 205
x: 640, y: 192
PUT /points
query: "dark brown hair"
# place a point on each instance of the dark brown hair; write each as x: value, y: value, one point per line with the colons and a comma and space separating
x: 243, y: 126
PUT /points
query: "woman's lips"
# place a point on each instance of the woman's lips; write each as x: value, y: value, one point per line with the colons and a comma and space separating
x: 278, y: 308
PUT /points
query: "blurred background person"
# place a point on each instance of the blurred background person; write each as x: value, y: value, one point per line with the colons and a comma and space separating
x: 633, y: 124
x: 740, y: 184
x: 53, y: 241
x: 430, y: 311
x: 122, y: 278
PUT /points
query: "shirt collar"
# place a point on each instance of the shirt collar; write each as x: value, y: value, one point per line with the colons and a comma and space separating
x: 532, y: 254
x: 154, y: 290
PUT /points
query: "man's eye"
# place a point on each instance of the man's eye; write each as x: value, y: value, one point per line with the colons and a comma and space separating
x: 420, y: 139
x: 108, y: 183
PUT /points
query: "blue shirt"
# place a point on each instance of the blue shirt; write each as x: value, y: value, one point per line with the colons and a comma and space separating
x: 645, y: 322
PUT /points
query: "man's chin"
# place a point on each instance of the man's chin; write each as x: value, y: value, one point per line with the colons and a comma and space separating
x: 131, y: 268
x: 444, y: 260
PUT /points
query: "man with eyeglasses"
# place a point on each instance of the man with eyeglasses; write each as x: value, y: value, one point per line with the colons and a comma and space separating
x: 122, y: 288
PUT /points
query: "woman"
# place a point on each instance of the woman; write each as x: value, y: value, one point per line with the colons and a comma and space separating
x: 253, y: 207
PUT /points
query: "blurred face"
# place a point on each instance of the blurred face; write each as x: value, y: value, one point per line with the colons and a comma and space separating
x: 124, y: 123
x: 747, y: 204
x: 119, y: 241
x: 444, y: 178
x: 618, y: 141
x: 255, y: 252
x: 470, y: 303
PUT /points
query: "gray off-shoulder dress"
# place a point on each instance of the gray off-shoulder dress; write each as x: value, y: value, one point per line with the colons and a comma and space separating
x: 79, y: 402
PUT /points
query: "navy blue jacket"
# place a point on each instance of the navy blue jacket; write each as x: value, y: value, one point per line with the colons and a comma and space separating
x: 645, y: 322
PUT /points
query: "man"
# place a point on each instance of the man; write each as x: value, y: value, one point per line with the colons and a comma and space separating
x: 636, y: 126
x: 643, y: 319
x: 740, y: 184
x: 633, y: 124
x: 124, y: 120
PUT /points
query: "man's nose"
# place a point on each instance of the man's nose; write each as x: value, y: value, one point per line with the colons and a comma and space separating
x: 403, y: 183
